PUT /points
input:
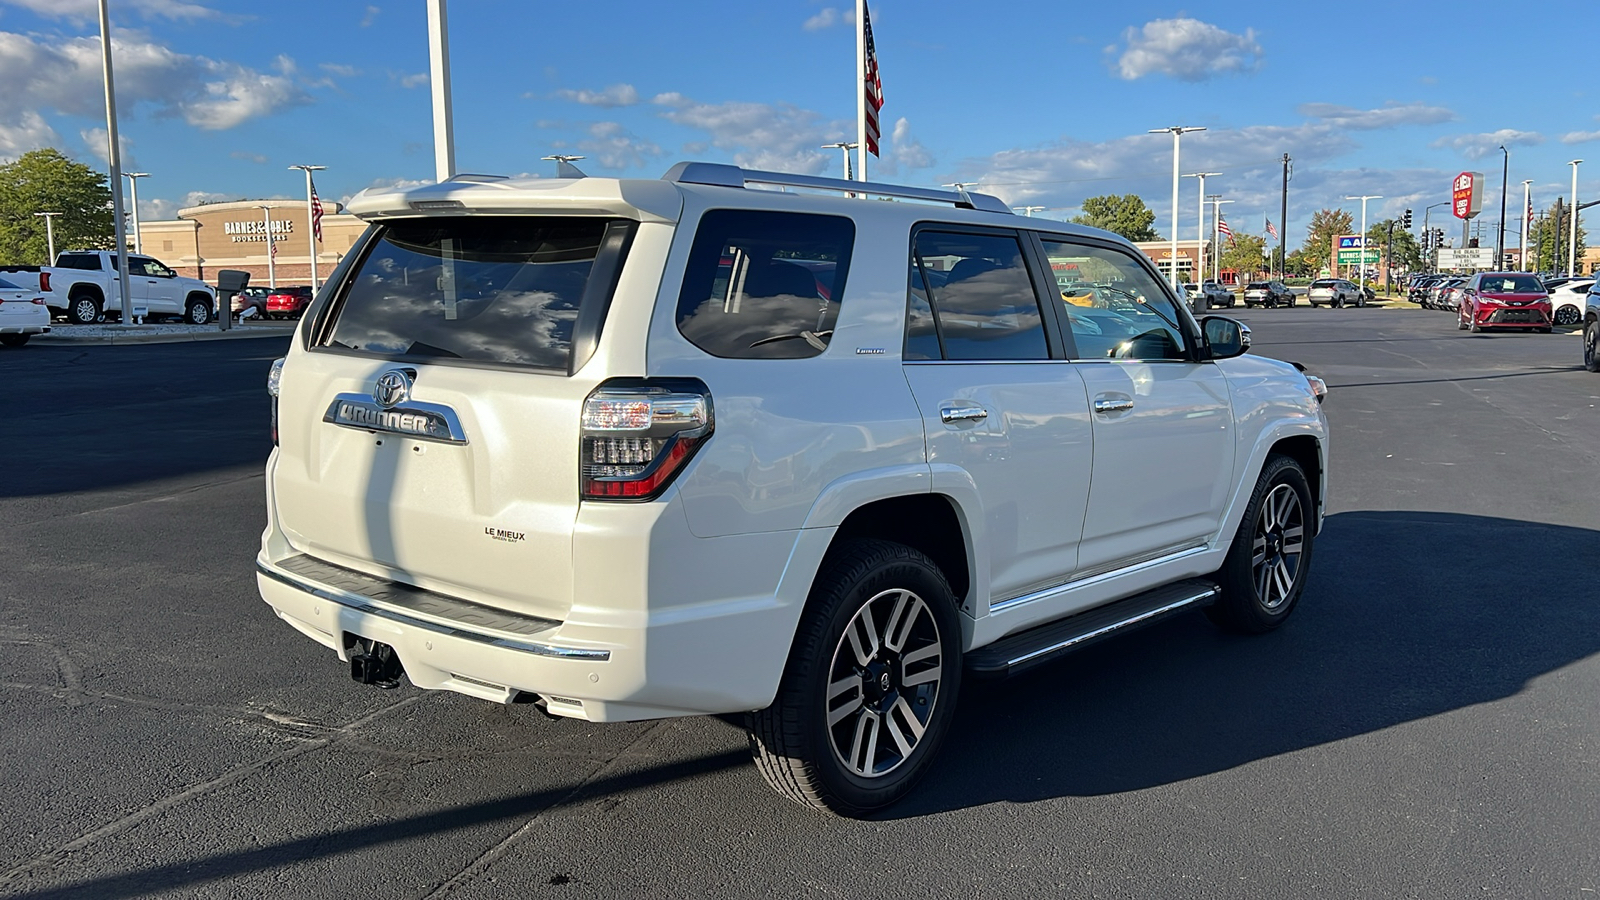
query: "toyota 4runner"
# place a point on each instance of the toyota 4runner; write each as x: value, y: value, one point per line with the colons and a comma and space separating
x: 631, y: 449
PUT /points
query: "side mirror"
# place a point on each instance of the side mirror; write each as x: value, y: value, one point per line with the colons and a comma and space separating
x: 1226, y: 337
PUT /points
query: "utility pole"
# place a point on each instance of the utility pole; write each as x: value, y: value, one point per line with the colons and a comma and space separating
x: 1500, y: 244
x: 133, y: 196
x: 1572, y: 229
x: 444, y: 135
x: 1177, y: 131
x: 1558, y: 214
x: 1283, y: 223
x: 1527, y: 218
x: 1200, y: 228
x: 49, y: 235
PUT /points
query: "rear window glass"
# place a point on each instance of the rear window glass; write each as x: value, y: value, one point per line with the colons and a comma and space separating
x: 1322, y: 283
x: 1257, y: 286
x: 494, y: 289
x: 90, y: 261
x: 765, y: 285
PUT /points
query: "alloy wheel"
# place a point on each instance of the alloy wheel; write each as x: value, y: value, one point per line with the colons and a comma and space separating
x: 883, y: 683
x: 1567, y: 316
x: 1279, y: 541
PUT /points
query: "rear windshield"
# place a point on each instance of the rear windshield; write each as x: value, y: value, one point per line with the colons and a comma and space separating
x: 1510, y: 284
x: 1257, y: 286
x: 90, y: 261
x: 489, y: 289
x: 1323, y: 282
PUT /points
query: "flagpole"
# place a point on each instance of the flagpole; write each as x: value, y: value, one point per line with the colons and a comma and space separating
x: 311, y: 219
x: 272, y: 269
x: 861, y: 90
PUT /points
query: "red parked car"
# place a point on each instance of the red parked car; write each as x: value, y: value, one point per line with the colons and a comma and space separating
x: 288, y: 302
x: 1503, y: 300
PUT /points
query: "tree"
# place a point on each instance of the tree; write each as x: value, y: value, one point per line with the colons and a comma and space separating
x: 1245, y: 253
x: 1326, y: 224
x: 1125, y: 215
x: 47, y: 181
x: 1304, y: 264
x: 1548, y: 246
x: 1406, y: 252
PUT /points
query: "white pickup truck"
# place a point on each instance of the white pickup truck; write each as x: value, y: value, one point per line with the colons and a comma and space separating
x: 82, y: 286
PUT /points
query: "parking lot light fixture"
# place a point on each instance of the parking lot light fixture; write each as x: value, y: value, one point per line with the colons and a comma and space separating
x: 1200, y: 226
x: 1500, y: 244
x: 1216, y: 236
x: 272, y: 269
x: 311, y: 229
x: 49, y: 235
x: 845, y: 147
x: 133, y: 206
x: 1572, y: 230
x: 1177, y: 132
x: 1363, y: 198
x: 119, y: 228
x: 1527, y: 217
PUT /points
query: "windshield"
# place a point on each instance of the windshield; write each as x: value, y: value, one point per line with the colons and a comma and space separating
x: 1510, y: 284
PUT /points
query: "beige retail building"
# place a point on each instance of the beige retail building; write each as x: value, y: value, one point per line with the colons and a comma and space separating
x: 204, y: 239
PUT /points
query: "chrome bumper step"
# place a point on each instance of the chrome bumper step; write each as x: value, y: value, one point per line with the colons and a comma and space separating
x: 1026, y: 649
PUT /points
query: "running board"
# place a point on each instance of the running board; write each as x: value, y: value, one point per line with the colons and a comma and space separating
x: 1026, y: 649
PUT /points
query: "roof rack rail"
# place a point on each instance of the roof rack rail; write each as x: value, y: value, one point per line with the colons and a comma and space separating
x: 733, y: 176
x: 476, y: 179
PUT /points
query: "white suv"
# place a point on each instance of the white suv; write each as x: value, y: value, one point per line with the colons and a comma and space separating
x: 632, y: 449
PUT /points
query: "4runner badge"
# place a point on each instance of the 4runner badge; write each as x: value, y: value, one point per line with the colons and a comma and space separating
x: 510, y: 537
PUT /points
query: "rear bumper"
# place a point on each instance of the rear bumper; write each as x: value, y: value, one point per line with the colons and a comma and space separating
x: 663, y: 623
x: 24, y: 329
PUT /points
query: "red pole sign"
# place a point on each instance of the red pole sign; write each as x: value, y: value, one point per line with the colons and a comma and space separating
x: 1466, y: 194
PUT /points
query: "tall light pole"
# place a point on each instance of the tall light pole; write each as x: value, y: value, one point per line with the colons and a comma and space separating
x: 845, y: 147
x: 1572, y: 230
x: 1500, y: 244
x: 49, y: 235
x: 133, y: 196
x: 1527, y: 216
x: 1216, y: 235
x: 444, y: 136
x: 1177, y: 132
x: 311, y: 221
x: 1200, y: 226
x: 1363, y: 198
x: 114, y: 160
x: 272, y: 268
x: 564, y: 164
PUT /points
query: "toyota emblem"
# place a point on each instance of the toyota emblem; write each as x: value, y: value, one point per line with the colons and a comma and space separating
x: 392, y: 388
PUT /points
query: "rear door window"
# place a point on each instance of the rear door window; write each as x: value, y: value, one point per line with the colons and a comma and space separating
x: 765, y: 285
x: 501, y: 290
x: 976, y: 292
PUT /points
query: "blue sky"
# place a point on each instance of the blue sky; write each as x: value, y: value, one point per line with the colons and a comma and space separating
x: 1041, y: 103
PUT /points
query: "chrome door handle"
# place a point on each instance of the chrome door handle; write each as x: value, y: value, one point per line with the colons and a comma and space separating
x: 963, y: 414
x: 1111, y: 406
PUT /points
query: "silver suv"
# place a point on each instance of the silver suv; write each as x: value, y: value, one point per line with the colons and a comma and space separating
x: 631, y: 449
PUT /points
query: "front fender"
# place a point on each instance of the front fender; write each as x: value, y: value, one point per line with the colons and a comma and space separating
x: 1265, y: 414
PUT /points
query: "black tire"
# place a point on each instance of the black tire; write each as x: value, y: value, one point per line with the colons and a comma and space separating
x: 197, y: 309
x: 1567, y: 316
x: 1591, y: 345
x: 14, y: 340
x: 1361, y: 301
x: 83, y: 309
x: 1254, y: 599
x: 794, y: 745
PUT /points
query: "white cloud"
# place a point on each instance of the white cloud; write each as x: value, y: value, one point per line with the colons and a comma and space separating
x: 95, y: 140
x: 903, y: 152
x: 64, y: 74
x: 370, y: 16
x: 828, y: 16
x: 154, y: 209
x: 412, y: 81
x: 614, y: 147
x: 88, y: 9
x: 613, y: 96
x: 390, y: 184
x: 343, y: 71
x: 772, y: 136
x: 1389, y: 116
x: 248, y: 156
x: 1477, y: 146
x: 29, y: 132
x: 1185, y: 49
x: 1580, y: 137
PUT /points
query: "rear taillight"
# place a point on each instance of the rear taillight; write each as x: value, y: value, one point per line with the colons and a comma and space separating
x: 637, y: 436
x: 44, y: 281
x: 274, y: 378
x: 37, y: 301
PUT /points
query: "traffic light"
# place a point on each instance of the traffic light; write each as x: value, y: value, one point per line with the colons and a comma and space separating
x: 1405, y: 220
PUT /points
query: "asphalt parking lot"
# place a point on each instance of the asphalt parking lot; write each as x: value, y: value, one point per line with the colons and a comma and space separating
x: 1426, y: 725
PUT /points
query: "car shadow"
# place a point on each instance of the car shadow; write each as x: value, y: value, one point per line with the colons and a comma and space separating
x: 1425, y: 627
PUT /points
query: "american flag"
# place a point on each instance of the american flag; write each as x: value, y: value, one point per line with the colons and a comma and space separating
x: 871, y: 84
x: 1223, y: 229
x: 316, y: 213
x: 272, y: 247
x: 1271, y: 232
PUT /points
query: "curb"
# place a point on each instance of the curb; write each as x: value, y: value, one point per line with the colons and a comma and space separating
x: 122, y: 339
